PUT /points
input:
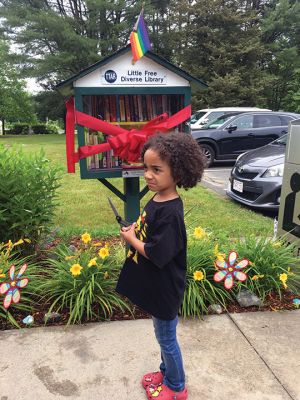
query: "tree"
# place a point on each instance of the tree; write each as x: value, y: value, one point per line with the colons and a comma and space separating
x: 246, y: 50
x: 49, y: 104
x: 61, y: 37
x: 15, y: 102
x: 220, y: 43
x: 281, y: 37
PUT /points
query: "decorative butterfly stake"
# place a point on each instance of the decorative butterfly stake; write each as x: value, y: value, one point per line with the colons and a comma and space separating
x: 230, y: 270
x: 12, y: 289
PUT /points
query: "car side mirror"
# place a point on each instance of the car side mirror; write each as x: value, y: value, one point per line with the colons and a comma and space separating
x: 232, y: 128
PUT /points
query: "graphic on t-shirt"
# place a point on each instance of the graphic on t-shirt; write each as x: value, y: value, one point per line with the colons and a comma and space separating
x: 140, y: 231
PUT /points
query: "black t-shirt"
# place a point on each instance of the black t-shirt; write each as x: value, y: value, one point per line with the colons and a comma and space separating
x: 157, y: 284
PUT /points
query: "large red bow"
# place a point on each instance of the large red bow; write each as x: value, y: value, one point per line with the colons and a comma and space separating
x: 124, y: 143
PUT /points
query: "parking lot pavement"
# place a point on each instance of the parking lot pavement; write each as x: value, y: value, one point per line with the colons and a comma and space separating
x: 216, y: 178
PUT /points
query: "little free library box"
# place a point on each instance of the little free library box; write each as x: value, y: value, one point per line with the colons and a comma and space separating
x: 126, y: 96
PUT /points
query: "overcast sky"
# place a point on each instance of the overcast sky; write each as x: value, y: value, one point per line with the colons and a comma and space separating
x: 32, y: 86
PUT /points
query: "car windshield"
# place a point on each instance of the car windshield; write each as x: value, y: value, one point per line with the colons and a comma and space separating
x: 281, y: 141
x: 216, y: 123
x: 195, y: 117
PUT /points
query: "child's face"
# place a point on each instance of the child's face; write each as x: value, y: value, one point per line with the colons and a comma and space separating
x: 158, y: 174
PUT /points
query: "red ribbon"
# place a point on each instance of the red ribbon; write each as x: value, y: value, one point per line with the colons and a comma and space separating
x: 124, y: 143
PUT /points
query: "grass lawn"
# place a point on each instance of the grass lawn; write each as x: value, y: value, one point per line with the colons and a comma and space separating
x: 83, y: 203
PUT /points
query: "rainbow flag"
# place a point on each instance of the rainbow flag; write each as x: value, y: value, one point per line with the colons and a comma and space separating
x: 139, y: 39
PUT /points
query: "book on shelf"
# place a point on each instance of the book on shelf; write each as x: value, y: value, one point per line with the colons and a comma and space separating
x: 106, y: 109
x: 140, y: 108
x: 149, y: 106
x: 144, y: 109
x: 122, y: 108
x: 127, y: 109
x: 113, y: 108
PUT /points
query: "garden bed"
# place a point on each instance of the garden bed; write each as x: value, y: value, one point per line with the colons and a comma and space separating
x: 56, y: 285
x: 272, y: 303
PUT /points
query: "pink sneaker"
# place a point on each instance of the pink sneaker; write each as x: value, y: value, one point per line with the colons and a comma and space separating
x: 153, y: 378
x: 163, y: 392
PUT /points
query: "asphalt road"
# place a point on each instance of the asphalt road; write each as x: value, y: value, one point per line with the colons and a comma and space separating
x: 216, y: 177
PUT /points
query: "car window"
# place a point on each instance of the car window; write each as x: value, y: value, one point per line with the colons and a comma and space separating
x: 263, y: 121
x: 196, y: 116
x: 285, y: 119
x: 243, y: 122
x: 217, y: 122
x: 213, y: 115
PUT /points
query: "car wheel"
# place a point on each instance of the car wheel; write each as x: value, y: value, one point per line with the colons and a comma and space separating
x: 209, y: 153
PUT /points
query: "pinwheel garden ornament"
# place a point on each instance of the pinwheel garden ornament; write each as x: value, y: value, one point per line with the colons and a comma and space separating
x: 230, y: 270
x: 11, y: 289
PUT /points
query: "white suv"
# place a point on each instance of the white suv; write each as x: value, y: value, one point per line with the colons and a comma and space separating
x: 206, y: 115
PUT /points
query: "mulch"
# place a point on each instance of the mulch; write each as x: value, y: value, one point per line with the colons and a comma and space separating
x: 272, y: 302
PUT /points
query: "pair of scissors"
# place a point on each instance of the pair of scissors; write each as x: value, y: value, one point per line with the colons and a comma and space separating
x: 119, y: 219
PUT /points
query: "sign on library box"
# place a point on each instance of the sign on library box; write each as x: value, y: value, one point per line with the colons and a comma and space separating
x: 136, y: 76
x: 133, y: 173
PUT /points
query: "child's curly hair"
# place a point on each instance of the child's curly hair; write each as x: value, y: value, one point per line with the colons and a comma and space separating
x: 182, y: 153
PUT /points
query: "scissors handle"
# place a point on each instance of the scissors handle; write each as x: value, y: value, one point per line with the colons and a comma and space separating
x: 122, y: 222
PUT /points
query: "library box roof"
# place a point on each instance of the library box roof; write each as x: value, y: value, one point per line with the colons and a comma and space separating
x: 117, y: 70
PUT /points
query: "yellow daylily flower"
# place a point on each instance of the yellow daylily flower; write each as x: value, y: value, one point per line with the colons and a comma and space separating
x: 198, y: 275
x: 103, y: 253
x: 20, y: 241
x: 9, y: 244
x: 97, y: 244
x: 283, y: 278
x: 86, y: 238
x: 199, y: 232
x: 76, y: 269
x: 106, y: 275
x: 2, y: 275
x: 256, y: 277
x: 219, y: 256
x: 92, y: 262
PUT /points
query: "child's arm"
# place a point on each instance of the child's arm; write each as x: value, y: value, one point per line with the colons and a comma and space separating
x: 128, y: 234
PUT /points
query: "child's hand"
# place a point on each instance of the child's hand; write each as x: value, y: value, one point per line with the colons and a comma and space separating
x: 128, y: 233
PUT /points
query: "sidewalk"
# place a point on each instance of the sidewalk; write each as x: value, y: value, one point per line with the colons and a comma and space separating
x: 249, y: 356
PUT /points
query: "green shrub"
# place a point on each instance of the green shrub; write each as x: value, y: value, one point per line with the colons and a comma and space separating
x: 82, y: 283
x: 38, y: 129
x: 44, y: 129
x: 19, y: 129
x: 28, y: 186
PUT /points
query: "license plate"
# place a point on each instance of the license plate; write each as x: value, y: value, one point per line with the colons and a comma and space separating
x: 238, y: 186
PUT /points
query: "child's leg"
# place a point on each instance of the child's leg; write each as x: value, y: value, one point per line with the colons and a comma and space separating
x: 165, y: 332
x: 162, y: 366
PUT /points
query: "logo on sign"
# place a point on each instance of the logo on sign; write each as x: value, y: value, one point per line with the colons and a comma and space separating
x: 110, y: 76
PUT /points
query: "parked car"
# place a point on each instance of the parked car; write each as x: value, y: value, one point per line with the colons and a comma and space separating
x: 256, y: 177
x: 233, y: 135
x: 207, y: 115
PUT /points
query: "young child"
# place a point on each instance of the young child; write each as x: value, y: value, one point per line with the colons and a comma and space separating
x: 154, y: 273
